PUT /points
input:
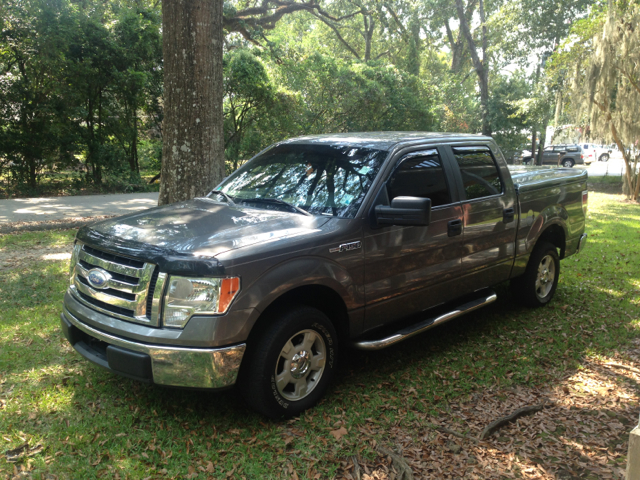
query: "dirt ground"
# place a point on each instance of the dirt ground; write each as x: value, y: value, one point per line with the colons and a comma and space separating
x: 580, y: 432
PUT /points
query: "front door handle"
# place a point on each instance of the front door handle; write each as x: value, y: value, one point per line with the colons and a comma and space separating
x: 455, y: 227
x: 508, y: 215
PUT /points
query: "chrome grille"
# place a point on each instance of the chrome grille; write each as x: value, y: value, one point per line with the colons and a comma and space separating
x: 133, y: 289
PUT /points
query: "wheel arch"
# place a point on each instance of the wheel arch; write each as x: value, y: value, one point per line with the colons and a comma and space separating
x: 312, y: 281
x: 318, y: 296
x: 556, y: 235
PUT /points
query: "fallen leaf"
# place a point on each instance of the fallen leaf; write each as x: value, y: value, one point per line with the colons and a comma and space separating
x: 339, y: 433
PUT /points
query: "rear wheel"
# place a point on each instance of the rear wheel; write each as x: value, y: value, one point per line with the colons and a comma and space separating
x: 291, y: 364
x: 604, y: 157
x: 568, y: 163
x: 538, y: 284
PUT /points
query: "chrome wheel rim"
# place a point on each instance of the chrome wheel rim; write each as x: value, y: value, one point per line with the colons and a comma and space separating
x: 300, y: 365
x: 546, y: 276
x: 568, y: 164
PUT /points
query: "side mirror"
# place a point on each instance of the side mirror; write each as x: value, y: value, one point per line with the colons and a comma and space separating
x: 411, y: 211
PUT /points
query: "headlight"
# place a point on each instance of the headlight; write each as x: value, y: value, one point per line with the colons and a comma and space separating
x: 187, y: 296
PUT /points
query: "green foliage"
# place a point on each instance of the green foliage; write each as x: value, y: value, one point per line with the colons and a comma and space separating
x: 78, y: 82
x: 81, y: 82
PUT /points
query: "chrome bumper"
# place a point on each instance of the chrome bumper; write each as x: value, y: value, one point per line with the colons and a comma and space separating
x: 171, y: 366
x: 582, y: 242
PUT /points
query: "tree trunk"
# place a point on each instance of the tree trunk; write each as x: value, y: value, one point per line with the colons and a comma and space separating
x: 478, y: 65
x: 369, y: 27
x: 534, y: 133
x: 456, y: 49
x: 193, y: 142
x: 543, y: 139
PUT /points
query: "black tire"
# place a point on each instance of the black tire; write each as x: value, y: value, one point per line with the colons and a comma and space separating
x: 527, y: 160
x: 604, y: 157
x: 568, y: 163
x: 258, y: 379
x: 526, y: 288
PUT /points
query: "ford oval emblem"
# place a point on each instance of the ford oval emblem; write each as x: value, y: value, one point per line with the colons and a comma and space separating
x: 98, y: 278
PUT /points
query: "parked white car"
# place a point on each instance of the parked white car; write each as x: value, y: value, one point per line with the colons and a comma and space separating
x: 593, y: 152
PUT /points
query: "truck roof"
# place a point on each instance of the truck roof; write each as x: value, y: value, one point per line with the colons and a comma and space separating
x: 382, y: 140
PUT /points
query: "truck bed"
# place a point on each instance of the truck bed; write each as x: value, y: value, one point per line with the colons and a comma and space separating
x: 537, y: 177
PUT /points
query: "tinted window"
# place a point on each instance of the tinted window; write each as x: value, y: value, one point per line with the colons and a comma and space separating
x: 322, y: 179
x: 479, y: 172
x: 420, y: 176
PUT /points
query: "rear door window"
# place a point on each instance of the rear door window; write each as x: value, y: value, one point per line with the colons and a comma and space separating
x: 480, y: 176
x: 420, y: 174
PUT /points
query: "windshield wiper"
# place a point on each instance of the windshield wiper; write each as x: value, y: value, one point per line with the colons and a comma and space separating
x: 277, y: 201
x: 228, y: 198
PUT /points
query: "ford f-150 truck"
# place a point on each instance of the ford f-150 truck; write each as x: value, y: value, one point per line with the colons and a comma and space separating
x: 316, y: 243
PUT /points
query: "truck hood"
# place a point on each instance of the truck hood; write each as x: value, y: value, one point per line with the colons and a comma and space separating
x: 203, y: 227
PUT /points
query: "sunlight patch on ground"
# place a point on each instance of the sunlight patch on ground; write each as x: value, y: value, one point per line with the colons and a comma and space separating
x: 56, y: 256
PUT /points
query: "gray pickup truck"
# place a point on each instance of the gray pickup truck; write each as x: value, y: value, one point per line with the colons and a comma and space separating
x: 316, y: 243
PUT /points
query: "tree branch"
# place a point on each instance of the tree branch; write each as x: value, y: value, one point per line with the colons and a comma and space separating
x: 337, y: 32
x: 270, y: 11
x: 624, y: 72
x: 403, y: 31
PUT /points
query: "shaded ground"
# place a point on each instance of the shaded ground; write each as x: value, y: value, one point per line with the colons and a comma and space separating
x: 581, y: 432
x: 44, y: 225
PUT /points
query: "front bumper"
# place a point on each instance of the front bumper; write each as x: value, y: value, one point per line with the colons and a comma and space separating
x: 206, y: 368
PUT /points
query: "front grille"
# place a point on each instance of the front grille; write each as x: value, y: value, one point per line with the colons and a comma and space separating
x: 109, y: 291
x: 106, y: 306
x: 128, y: 291
x: 117, y: 276
x: 113, y: 258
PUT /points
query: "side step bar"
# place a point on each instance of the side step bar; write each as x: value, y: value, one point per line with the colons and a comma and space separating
x: 425, y: 324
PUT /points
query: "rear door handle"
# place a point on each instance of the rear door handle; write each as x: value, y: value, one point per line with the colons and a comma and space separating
x: 508, y: 215
x: 455, y: 227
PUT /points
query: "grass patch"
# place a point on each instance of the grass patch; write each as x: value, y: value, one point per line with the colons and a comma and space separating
x: 49, y: 239
x: 93, y: 424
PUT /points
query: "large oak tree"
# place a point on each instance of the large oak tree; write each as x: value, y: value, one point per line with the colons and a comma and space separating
x: 193, y: 144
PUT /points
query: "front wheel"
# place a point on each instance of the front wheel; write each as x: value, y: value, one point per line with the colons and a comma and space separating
x: 604, y: 157
x: 538, y: 284
x: 291, y: 364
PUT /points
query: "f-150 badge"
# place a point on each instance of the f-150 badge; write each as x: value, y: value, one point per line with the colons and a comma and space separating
x: 345, y: 247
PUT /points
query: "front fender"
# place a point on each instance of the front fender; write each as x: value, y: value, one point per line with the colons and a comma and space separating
x: 297, y: 272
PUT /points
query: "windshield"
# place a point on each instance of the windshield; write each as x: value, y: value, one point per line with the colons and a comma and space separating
x: 320, y: 179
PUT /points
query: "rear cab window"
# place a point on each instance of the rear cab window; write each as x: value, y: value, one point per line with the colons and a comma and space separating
x: 479, y: 172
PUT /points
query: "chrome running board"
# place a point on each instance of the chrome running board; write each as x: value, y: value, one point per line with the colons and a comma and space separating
x: 425, y: 324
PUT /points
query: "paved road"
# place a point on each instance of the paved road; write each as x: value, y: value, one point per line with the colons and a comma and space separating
x: 61, y: 208
x: 614, y: 168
